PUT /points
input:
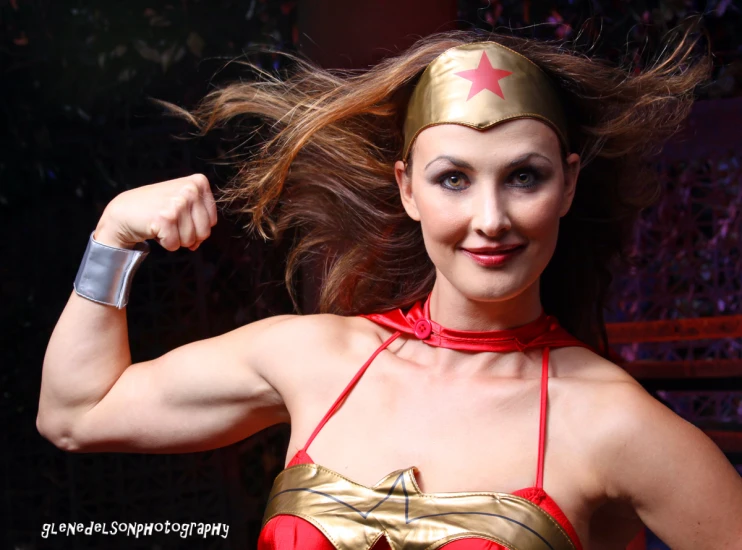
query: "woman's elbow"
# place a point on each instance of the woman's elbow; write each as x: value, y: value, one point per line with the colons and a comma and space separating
x: 58, y: 433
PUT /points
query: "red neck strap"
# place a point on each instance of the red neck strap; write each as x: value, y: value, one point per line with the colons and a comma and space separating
x: 544, y: 331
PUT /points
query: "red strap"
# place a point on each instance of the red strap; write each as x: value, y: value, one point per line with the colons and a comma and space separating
x: 543, y: 331
x: 542, y: 416
x: 542, y: 420
x: 347, y: 389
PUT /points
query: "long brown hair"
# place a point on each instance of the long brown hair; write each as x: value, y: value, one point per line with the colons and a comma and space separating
x: 328, y: 139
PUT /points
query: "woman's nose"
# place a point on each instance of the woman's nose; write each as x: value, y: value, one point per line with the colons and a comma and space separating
x: 489, y: 214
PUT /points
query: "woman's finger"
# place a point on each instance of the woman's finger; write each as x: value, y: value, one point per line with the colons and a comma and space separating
x: 201, y: 223
x: 186, y: 229
x: 206, y: 196
x: 165, y: 229
x: 210, y: 205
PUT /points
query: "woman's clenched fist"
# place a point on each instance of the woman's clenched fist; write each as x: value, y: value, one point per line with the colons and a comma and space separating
x: 176, y: 213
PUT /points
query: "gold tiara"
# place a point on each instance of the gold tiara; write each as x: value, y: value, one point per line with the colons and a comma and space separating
x: 479, y: 85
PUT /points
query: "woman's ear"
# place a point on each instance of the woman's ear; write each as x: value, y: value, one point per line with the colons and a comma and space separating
x: 404, y: 181
x: 571, y: 172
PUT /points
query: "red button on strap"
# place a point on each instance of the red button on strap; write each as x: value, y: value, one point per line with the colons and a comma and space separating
x: 422, y: 328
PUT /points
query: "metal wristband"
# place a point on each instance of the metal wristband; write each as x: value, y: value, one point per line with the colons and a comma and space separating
x: 106, y: 272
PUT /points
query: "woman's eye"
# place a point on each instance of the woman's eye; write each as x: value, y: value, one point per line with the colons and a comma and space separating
x: 526, y: 178
x: 453, y: 180
x: 523, y: 178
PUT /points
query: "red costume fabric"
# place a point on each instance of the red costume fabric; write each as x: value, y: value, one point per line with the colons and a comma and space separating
x: 289, y: 531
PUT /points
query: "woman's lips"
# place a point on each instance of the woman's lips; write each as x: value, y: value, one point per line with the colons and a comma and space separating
x: 491, y: 259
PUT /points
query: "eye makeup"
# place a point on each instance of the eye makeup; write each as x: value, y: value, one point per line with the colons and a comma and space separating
x: 536, y: 177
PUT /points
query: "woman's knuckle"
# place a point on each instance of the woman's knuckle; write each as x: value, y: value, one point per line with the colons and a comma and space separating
x: 168, y: 243
x: 190, y: 190
x: 169, y: 216
x: 199, y: 180
x: 179, y: 202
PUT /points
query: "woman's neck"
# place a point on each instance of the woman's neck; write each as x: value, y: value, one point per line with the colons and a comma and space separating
x: 451, y: 309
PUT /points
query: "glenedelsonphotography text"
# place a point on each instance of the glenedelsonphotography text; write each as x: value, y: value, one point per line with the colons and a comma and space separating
x: 136, y: 529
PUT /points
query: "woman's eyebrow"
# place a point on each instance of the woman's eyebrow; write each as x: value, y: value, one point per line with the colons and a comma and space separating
x: 463, y: 164
x: 453, y: 160
x: 523, y: 158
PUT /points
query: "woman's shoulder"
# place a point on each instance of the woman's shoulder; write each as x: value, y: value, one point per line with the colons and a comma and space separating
x: 619, y: 419
x: 316, y: 344
x: 584, y: 365
x: 292, y: 351
x: 315, y: 354
x: 335, y: 332
x: 312, y: 328
x: 608, y: 415
x: 640, y: 451
x: 601, y: 397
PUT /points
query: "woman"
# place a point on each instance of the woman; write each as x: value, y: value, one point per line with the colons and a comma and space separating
x: 465, y: 195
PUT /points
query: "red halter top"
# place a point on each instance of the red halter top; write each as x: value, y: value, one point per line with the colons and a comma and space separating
x: 314, y: 508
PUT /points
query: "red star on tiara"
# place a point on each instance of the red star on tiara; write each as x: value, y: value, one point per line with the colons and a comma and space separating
x: 484, y: 77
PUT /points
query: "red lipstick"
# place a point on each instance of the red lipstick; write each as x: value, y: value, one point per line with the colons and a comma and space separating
x: 493, y: 255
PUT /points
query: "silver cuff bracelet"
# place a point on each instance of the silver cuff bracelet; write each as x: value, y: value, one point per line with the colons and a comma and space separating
x: 106, y: 272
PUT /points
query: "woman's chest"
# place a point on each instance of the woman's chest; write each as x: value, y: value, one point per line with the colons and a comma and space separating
x: 475, y: 434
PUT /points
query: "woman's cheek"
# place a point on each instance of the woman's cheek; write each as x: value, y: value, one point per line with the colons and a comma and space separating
x: 540, y: 216
x: 541, y: 227
x: 443, y: 222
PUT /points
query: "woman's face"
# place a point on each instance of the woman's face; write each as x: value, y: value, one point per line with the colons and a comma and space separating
x: 503, y: 187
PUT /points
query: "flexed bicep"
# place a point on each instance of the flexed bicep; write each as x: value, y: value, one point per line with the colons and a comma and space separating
x: 203, y: 395
x: 210, y: 393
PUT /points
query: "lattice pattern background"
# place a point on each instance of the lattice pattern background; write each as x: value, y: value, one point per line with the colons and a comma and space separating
x: 706, y: 409
x: 687, y: 247
x: 688, y: 253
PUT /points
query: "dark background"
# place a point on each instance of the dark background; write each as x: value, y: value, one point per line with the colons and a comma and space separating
x: 77, y: 128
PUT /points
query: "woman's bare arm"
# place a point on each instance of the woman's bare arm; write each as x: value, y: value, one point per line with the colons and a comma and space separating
x: 203, y: 395
x: 679, y: 482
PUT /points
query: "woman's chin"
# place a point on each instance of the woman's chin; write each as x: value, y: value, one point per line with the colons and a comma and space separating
x: 480, y: 289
